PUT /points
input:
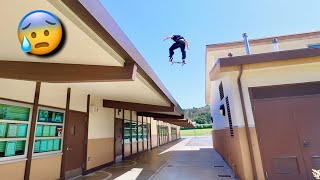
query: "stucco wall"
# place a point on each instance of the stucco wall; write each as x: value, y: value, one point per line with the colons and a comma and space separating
x: 101, y: 122
x: 213, y: 55
x: 11, y: 89
x: 275, y: 76
x: 255, y: 78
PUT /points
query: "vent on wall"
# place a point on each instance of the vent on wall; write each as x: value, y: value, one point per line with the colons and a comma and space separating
x: 221, y: 91
x: 229, y: 117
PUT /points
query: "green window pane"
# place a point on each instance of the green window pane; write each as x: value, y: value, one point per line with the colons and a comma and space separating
x: 50, y: 116
x: 57, y: 117
x: 22, y: 130
x: 36, y: 146
x: 43, y: 115
x: 53, y: 131
x: 12, y: 130
x: 56, y: 144
x: 50, y: 145
x: 10, y: 148
x: 39, y: 130
x: 3, y: 129
x: 43, y: 145
x: 20, y: 145
x: 2, y: 146
x: 46, y: 131
x: 10, y: 112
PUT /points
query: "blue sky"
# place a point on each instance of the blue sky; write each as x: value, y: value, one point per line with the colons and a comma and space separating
x: 204, y: 22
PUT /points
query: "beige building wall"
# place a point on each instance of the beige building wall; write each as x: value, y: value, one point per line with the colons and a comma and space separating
x: 46, y: 168
x: 154, y: 133
x: 54, y: 95
x: 178, y: 132
x: 78, y: 100
x: 213, y: 54
x: 100, y: 134
x: 252, y: 78
x: 169, y: 132
x: 13, y: 170
x: 11, y: 89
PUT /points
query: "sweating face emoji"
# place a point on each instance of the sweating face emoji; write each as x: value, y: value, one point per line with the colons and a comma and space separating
x: 39, y: 32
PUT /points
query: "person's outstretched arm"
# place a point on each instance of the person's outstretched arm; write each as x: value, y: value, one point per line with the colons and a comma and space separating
x: 164, y: 39
x: 187, y: 44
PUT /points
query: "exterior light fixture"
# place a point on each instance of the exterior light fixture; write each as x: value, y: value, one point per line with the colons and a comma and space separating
x: 222, y: 110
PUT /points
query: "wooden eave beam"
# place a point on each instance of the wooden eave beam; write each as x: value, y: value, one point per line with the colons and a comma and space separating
x: 137, y: 106
x: 65, y: 73
x: 158, y: 115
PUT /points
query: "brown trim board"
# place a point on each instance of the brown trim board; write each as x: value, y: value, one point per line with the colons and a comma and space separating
x: 47, y: 72
x: 136, y: 106
x: 269, y: 57
x: 289, y: 56
x: 142, y: 117
x: 158, y: 115
x: 130, y: 132
x: 64, y: 148
x: 86, y: 135
x: 283, y: 38
x: 137, y: 136
x: 95, y: 16
x: 123, y: 111
x: 114, y: 134
x: 179, y: 122
x: 285, y: 90
x: 32, y: 130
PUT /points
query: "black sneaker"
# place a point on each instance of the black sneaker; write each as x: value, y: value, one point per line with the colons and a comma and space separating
x: 183, y: 61
x: 170, y: 59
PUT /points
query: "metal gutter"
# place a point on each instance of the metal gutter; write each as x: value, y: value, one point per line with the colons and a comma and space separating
x: 246, y: 123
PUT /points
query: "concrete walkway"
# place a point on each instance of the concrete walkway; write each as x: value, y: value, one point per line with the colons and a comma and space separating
x: 188, y: 159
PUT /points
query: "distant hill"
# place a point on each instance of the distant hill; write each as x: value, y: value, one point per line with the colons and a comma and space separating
x: 199, y: 115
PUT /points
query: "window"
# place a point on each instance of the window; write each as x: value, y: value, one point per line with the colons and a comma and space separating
x: 127, y: 129
x: 140, y: 137
x: 173, y: 133
x: 145, y: 132
x: 15, y: 121
x: 49, y: 132
x: 134, y: 132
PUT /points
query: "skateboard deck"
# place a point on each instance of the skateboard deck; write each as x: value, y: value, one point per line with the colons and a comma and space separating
x: 177, y: 62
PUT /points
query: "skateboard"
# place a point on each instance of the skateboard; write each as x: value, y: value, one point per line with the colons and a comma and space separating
x: 177, y: 62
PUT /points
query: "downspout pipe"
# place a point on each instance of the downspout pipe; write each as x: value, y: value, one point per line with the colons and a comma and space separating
x: 246, y: 123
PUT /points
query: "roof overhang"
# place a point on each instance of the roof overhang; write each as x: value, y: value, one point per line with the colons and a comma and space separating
x: 95, y: 47
x: 94, y: 15
x: 137, y: 106
x: 172, y: 119
x: 178, y: 122
x: 264, y: 60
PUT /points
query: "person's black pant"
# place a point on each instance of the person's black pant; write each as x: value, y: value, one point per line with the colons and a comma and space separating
x: 176, y: 45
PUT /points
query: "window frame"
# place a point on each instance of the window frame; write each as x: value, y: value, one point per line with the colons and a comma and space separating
x: 46, y: 154
x: 124, y: 128
x: 140, y: 137
x: 9, y: 159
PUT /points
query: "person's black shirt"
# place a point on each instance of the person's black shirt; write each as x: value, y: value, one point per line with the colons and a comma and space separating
x: 176, y: 38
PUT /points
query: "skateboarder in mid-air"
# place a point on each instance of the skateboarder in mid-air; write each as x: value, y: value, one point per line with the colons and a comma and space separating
x: 179, y: 42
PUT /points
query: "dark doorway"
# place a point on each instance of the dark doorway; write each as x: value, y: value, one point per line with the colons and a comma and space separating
x: 288, y: 131
x: 118, y: 139
x: 75, y: 144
